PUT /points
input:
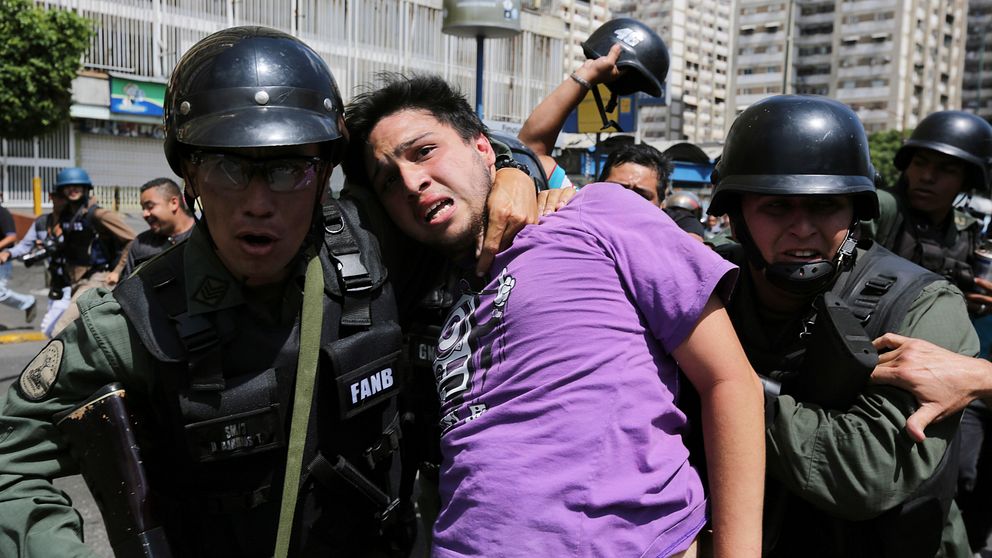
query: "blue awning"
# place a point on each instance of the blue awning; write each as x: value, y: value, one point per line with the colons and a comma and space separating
x: 691, y: 172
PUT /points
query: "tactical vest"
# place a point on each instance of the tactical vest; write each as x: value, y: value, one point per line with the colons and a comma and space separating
x: 907, y: 238
x: 216, y: 432
x: 879, y: 291
x: 83, y: 245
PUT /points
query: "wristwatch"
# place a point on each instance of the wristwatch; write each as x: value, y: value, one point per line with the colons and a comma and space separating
x: 505, y: 161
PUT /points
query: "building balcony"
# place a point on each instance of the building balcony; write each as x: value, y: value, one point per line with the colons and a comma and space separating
x: 863, y: 93
x: 815, y: 18
x: 869, y: 6
x: 747, y: 60
x: 863, y: 71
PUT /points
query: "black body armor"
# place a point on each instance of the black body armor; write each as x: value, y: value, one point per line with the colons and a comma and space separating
x: 216, y: 432
x: 879, y: 291
x: 947, y: 252
x: 82, y: 244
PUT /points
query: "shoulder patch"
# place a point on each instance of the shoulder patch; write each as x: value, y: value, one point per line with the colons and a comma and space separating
x: 40, y: 374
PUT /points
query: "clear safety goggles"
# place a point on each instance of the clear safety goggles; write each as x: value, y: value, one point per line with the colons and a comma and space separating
x: 231, y: 173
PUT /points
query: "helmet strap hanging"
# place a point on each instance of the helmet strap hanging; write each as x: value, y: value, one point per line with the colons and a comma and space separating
x: 804, y: 279
x: 604, y: 111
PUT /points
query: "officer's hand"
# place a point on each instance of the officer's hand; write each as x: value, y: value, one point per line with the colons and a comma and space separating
x: 601, y: 70
x: 554, y: 199
x: 112, y: 278
x: 942, y: 381
x: 980, y: 304
x: 511, y: 205
x: 4, y: 256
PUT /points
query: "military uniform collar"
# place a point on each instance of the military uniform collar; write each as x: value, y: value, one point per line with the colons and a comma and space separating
x: 210, y: 287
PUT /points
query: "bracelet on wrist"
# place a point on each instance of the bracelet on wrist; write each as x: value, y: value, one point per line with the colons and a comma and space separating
x: 582, y: 82
x: 508, y: 162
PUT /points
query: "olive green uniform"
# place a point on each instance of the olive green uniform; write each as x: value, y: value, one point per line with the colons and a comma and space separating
x: 36, y: 519
x: 98, y: 349
x: 957, y: 241
x: 857, y: 463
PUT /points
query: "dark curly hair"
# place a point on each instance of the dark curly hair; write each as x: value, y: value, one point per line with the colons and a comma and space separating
x: 646, y: 156
x: 397, y: 92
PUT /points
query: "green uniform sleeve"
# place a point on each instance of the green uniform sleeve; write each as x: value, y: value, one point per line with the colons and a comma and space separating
x: 855, y: 464
x: 37, y: 519
x: 888, y: 214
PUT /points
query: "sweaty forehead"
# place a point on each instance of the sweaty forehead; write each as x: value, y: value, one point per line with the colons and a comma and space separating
x: 631, y: 173
x: 398, y: 129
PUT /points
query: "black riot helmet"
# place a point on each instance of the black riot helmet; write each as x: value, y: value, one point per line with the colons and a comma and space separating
x: 523, y: 154
x: 251, y: 87
x: 959, y: 134
x: 642, y: 53
x: 686, y: 200
x: 643, y: 62
x: 796, y: 145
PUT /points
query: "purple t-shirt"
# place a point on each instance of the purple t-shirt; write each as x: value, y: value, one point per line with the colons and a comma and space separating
x: 561, y: 436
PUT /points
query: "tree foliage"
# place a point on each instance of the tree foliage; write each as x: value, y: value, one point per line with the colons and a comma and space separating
x: 40, y: 52
x: 883, y: 146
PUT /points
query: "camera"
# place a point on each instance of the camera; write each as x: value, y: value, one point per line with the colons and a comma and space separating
x: 48, y: 247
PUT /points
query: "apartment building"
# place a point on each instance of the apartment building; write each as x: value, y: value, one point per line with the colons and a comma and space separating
x: 137, y: 43
x: 698, y: 35
x: 976, y: 94
x: 893, y: 61
x: 580, y: 18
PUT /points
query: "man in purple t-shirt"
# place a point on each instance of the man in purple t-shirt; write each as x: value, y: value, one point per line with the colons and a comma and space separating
x: 567, y: 449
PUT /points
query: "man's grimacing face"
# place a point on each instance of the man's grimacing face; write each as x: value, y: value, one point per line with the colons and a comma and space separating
x: 797, y: 229
x: 432, y: 182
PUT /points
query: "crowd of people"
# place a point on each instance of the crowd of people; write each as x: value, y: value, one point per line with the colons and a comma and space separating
x: 87, y: 246
x: 442, y: 352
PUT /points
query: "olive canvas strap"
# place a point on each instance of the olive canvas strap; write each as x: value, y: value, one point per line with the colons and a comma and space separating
x: 306, y: 373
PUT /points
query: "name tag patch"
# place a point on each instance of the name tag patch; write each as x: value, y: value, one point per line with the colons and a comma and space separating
x: 367, y: 387
x: 240, y: 434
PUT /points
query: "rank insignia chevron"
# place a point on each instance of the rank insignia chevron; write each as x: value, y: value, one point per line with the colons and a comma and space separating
x: 211, y: 291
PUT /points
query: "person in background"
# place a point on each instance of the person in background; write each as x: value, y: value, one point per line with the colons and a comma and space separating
x: 686, y: 210
x: 94, y: 240
x: 947, y: 157
x: 43, y: 228
x: 169, y: 220
x: 640, y: 167
x: 8, y: 296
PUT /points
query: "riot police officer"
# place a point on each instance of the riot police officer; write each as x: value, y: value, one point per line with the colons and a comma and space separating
x: 843, y: 479
x: 217, y: 344
x: 948, y: 155
x: 95, y: 239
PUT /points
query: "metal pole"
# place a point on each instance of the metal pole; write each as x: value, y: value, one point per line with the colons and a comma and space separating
x: 981, y: 67
x: 787, y: 66
x: 479, y: 56
x: 36, y: 194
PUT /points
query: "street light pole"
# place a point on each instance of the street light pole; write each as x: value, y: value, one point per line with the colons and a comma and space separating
x: 981, y: 66
x: 787, y: 67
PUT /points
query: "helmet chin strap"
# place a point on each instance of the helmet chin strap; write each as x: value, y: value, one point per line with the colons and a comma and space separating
x: 803, y: 279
